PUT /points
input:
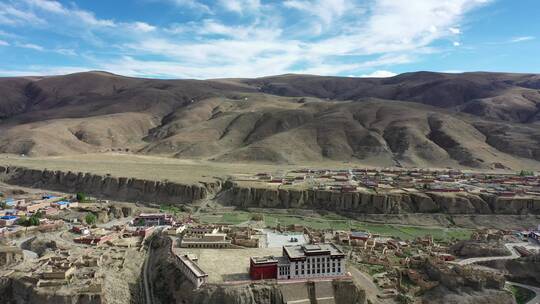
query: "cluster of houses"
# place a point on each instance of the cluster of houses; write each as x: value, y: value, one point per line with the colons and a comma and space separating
x: 47, y: 205
x: 16, y: 209
x: 350, y: 180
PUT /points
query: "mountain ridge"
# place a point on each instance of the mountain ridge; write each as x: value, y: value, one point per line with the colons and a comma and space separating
x: 476, y: 119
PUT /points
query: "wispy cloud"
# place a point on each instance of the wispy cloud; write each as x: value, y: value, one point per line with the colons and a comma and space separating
x: 240, y: 6
x: 31, y: 46
x: 329, y: 37
x: 12, y: 15
x: 192, y: 4
x: 379, y: 74
x: 4, y: 43
x: 521, y: 39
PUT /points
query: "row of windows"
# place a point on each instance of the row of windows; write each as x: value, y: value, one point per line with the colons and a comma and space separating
x: 318, y: 265
x: 318, y: 271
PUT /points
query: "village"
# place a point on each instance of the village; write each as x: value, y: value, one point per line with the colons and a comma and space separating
x: 71, y: 241
x: 522, y: 183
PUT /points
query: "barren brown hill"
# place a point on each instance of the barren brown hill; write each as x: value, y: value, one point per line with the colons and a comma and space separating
x: 482, y: 120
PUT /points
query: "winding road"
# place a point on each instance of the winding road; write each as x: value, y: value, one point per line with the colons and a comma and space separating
x: 509, y: 246
x: 536, y: 290
x: 514, y: 255
x: 372, y: 290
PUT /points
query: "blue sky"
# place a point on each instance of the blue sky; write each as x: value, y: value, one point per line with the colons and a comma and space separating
x: 252, y: 38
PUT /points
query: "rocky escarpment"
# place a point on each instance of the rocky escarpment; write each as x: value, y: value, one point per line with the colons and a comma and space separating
x: 460, y: 284
x: 118, y: 188
x: 139, y: 190
x: 471, y: 249
x: 525, y: 270
x: 378, y: 203
x: 15, y: 291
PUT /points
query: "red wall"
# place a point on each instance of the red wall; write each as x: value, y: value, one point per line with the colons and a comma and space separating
x: 265, y: 271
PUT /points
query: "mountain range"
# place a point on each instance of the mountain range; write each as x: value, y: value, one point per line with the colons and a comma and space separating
x: 424, y: 119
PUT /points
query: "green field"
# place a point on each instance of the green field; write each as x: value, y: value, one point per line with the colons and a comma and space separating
x: 338, y: 223
x: 522, y: 295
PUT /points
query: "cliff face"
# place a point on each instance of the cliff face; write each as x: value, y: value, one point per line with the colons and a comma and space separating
x: 374, y: 203
x: 244, y: 294
x: 15, y: 291
x: 133, y: 189
x: 524, y: 269
x: 118, y: 188
x: 464, y: 285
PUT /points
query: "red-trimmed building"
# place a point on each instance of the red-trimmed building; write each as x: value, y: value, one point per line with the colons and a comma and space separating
x: 300, y: 262
x: 262, y: 268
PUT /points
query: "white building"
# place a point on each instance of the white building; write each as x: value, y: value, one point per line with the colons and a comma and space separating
x: 309, y: 261
x: 191, y: 270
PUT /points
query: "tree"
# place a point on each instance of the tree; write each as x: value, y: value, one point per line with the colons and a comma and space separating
x: 3, y: 205
x: 90, y: 218
x: 33, y: 220
x: 29, y: 221
x: 526, y: 173
x: 81, y: 197
x: 23, y: 221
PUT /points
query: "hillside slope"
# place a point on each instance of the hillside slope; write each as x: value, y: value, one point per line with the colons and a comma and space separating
x: 482, y: 120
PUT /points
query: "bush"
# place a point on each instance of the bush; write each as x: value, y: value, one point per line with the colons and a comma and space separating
x: 526, y: 173
x: 90, y: 219
x: 81, y: 197
x: 257, y: 217
x: 30, y: 221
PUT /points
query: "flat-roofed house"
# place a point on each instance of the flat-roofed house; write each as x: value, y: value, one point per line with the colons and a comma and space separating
x: 191, y: 270
x: 10, y: 254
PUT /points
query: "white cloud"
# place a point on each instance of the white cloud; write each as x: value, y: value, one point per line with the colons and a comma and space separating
x: 40, y: 70
x: 19, y: 14
x: 12, y: 15
x: 47, y: 5
x: 379, y: 74
x: 343, y: 37
x: 4, y: 43
x: 192, y: 4
x: 521, y: 39
x: 327, y: 14
x: 31, y: 46
x: 240, y: 6
x: 143, y: 27
x: 326, y: 10
x: 455, y: 30
x: 456, y: 43
x: 69, y: 52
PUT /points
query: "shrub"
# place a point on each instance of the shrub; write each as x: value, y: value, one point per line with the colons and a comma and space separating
x: 81, y: 197
x: 257, y: 217
x: 90, y: 219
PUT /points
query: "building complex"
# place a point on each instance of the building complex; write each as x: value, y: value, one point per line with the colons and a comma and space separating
x: 300, y: 262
